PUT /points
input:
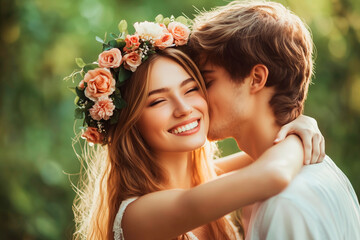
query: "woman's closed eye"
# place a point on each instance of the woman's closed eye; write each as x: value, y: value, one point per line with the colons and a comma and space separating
x: 155, y: 102
x: 193, y: 89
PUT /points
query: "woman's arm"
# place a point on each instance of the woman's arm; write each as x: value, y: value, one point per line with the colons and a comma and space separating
x: 232, y: 162
x: 167, y: 214
x: 303, y: 126
x: 313, y: 141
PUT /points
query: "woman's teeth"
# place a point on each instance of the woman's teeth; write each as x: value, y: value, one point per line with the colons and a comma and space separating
x: 187, y: 127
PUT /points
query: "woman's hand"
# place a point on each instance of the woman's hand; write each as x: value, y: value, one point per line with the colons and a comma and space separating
x: 307, y: 129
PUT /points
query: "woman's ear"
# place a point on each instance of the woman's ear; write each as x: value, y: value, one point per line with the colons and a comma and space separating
x: 259, y: 75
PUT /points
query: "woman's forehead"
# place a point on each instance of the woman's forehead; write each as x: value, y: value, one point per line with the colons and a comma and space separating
x: 166, y: 72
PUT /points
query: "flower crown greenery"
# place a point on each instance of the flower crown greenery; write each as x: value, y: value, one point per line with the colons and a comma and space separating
x: 98, y: 97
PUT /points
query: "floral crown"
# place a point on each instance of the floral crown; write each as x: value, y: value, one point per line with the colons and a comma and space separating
x: 98, y: 97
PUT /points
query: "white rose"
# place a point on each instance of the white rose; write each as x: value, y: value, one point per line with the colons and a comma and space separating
x: 148, y: 30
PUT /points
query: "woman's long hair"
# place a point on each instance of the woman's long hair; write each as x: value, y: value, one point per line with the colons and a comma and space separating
x: 126, y: 167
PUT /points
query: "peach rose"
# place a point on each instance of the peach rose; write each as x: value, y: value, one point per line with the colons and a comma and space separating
x: 92, y: 135
x: 132, y: 43
x: 165, y: 30
x: 180, y: 32
x: 102, y: 109
x: 166, y: 40
x: 110, y: 59
x: 132, y: 61
x: 100, y: 83
x: 81, y: 84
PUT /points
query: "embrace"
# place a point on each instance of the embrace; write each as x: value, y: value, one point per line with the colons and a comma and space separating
x: 155, y: 102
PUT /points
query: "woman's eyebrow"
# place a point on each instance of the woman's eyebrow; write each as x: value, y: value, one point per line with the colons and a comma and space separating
x: 161, y: 90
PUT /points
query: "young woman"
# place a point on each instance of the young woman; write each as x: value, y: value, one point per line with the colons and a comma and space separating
x: 154, y: 176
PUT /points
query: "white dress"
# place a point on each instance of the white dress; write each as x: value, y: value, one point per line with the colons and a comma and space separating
x: 320, y: 203
x: 118, y: 232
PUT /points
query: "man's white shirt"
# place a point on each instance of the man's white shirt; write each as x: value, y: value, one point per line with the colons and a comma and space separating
x: 320, y: 203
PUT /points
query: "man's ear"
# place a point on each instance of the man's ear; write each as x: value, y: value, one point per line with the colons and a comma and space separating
x: 259, y: 75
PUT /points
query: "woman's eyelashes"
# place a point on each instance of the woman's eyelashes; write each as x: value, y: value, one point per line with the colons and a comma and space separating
x: 155, y: 102
x: 193, y: 89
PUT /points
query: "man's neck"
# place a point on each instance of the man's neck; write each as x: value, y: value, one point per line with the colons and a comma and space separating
x: 259, y: 134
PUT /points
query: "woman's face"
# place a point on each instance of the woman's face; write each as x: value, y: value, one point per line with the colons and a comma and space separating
x: 175, y: 118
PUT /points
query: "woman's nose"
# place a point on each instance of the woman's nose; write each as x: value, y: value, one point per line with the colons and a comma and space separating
x: 182, y: 108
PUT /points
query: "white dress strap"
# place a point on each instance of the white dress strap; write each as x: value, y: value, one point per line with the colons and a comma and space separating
x: 118, y: 232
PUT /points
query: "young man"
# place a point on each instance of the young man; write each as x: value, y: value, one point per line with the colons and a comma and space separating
x: 256, y: 59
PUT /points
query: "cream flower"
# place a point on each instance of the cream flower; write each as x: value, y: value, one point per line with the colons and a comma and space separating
x: 148, y: 30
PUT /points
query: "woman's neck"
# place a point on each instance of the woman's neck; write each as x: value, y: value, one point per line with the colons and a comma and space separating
x: 178, y: 169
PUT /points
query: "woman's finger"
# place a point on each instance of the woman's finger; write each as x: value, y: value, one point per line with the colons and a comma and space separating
x: 316, y: 148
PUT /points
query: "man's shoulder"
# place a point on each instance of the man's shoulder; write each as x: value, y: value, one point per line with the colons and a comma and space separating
x: 311, y: 179
x: 322, y: 184
x: 320, y: 201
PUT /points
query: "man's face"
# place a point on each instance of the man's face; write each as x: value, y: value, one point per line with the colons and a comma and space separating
x: 228, y: 102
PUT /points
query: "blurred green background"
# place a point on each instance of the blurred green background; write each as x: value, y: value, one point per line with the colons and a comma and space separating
x: 39, y: 40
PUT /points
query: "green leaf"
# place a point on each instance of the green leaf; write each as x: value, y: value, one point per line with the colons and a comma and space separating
x: 72, y: 89
x: 159, y: 18
x: 123, y: 75
x: 189, y: 22
x: 80, y: 93
x: 89, y: 105
x: 76, y: 100
x: 99, y: 40
x: 80, y: 62
x: 122, y: 26
x: 166, y: 21
x: 111, y: 44
x: 119, y: 103
x: 79, y: 113
x: 120, y: 43
x: 114, y: 118
x: 181, y: 19
x: 113, y: 35
x: 90, y: 66
x: 117, y: 92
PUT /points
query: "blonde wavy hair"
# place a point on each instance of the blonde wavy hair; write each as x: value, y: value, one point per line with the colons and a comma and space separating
x: 126, y: 167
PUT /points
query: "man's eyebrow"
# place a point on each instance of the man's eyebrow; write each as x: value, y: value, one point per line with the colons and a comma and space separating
x: 161, y: 90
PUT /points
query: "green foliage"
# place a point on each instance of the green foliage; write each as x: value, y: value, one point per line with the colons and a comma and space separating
x: 39, y: 41
x: 122, y: 26
x: 80, y: 62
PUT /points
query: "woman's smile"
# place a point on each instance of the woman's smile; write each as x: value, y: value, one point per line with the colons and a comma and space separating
x: 186, y: 128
